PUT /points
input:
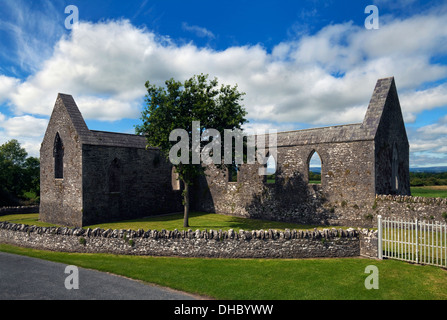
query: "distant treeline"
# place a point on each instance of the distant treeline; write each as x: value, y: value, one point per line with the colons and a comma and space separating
x: 419, y: 179
x: 314, y: 176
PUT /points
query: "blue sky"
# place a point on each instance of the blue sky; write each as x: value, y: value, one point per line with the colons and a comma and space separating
x: 301, y: 63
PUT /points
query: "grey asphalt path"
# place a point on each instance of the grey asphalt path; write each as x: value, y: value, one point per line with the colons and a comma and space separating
x: 26, y: 278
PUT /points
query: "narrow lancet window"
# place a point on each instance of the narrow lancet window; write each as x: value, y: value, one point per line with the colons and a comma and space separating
x: 314, y: 166
x: 58, y: 154
x: 395, y: 170
x: 270, y: 166
x: 115, y: 176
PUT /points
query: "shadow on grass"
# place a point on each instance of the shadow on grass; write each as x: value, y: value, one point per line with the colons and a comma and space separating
x: 201, y: 220
x: 197, y: 220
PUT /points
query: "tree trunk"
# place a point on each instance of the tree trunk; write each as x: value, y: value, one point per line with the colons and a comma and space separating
x: 186, y: 204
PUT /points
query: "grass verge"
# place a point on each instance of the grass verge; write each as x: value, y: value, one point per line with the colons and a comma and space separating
x: 266, y: 279
x: 429, y: 191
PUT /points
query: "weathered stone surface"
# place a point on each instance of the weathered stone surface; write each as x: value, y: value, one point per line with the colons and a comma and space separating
x: 142, y: 179
x: 357, y: 163
x: 110, y: 176
x: 212, y: 244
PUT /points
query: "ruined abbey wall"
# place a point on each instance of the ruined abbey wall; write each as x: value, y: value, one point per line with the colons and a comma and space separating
x: 126, y: 183
x: 61, y: 200
x: 347, y: 175
x: 90, y: 177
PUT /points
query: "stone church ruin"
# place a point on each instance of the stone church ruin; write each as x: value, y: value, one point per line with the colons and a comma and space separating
x: 90, y: 177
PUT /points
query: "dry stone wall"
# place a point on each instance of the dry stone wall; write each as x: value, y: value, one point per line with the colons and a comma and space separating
x: 212, y: 244
x: 364, y: 213
x: 18, y: 210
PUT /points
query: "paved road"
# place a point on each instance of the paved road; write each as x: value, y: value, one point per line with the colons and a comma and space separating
x: 25, y: 278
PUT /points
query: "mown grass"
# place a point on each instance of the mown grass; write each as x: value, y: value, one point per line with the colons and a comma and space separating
x: 266, y: 279
x: 29, y: 219
x: 197, y: 220
x: 429, y: 191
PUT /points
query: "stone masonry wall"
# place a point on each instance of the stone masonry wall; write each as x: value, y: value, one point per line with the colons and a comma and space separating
x: 364, y: 213
x: 211, y: 244
x: 347, y: 175
x: 144, y: 182
x: 18, y: 210
x: 61, y: 195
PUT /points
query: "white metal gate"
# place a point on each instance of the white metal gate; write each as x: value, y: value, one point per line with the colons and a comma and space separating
x: 414, y: 241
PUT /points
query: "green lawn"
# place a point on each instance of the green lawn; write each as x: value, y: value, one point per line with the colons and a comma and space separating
x: 263, y: 279
x: 197, y: 220
x: 29, y: 219
x: 429, y: 191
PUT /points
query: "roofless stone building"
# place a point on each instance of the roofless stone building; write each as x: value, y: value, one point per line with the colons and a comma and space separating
x: 92, y: 176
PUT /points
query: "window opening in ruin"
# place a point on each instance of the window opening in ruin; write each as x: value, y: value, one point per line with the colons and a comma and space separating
x: 115, y: 176
x: 314, y: 168
x: 233, y: 173
x: 175, y: 180
x: 270, y: 166
x: 395, y: 170
x: 58, y: 154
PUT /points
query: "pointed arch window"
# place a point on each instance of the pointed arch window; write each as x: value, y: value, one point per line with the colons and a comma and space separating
x: 314, y: 168
x: 270, y: 170
x: 395, y: 170
x: 115, y: 176
x: 233, y: 173
x: 58, y: 154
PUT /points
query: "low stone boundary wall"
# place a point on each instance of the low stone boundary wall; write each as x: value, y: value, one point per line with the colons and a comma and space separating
x: 18, y: 210
x: 364, y: 213
x: 212, y: 244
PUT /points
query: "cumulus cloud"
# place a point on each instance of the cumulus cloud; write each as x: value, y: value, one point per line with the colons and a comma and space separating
x: 7, y: 86
x: 428, y: 144
x: 320, y: 79
x: 24, y: 126
x: 420, y: 100
x: 326, y: 78
x: 27, y: 129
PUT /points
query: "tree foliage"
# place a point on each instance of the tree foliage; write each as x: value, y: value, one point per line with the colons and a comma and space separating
x: 177, y: 105
x: 419, y: 179
x: 19, y: 174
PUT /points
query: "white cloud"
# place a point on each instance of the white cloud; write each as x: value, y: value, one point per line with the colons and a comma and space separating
x: 326, y: 78
x: 106, y: 109
x: 321, y: 79
x: 428, y: 144
x: 433, y: 130
x: 7, y: 86
x: 27, y: 130
x: 417, y: 101
x: 24, y: 126
x: 198, y: 31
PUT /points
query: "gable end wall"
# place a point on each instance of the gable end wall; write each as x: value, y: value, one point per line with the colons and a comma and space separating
x: 61, y: 199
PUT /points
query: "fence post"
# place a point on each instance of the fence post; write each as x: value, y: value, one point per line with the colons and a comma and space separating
x: 417, y: 241
x: 379, y: 237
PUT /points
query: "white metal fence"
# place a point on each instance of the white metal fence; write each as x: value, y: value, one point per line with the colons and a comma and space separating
x: 414, y: 241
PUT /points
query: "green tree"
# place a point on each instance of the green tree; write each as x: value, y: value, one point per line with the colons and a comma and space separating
x: 176, y: 106
x: 18, y: 173
x: 32, y: 175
